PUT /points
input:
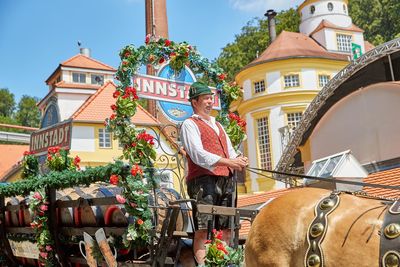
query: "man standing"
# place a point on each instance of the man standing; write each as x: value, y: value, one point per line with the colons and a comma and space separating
x: 211, y: 159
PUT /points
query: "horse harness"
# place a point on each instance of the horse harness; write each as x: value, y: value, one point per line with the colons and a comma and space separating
x: 390, y: 233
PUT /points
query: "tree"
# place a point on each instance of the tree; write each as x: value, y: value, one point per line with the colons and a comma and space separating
x: 28, y: 113
x: 253, y: 40
x: 7, y: 103
x: 380, y: 19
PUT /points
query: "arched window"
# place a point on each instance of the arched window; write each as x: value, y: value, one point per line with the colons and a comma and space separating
x: 344, y: 9
x: 312, y: 9
x: 330, y: 6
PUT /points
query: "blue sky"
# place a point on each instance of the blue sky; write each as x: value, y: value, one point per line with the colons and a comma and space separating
x: 36, y: 35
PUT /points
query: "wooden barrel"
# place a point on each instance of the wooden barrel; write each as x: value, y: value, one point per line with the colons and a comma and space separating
x: 164, y: 195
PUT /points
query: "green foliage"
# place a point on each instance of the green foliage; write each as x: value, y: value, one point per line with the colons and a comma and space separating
x: 58, y: 160
x: 380, y: 19
x: 218, y: 253
x: 64, y: 179
x: 253, y: 40
x: 28, y: 113
x: 30, y: 165
x: 7, y: 103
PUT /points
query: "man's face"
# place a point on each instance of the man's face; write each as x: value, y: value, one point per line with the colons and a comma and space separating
x: 203, y: 104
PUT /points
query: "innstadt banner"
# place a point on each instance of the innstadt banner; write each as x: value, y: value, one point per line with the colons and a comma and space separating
x: 55, y: 135
x: 151, y: 87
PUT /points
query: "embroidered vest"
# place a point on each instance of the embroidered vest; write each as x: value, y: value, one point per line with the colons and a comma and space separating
x: 213, y: 143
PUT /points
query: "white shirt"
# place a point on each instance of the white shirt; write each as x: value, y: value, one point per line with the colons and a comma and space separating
x: 191, y: 141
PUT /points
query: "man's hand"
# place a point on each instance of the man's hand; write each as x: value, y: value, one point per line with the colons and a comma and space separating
x: 236, y: 164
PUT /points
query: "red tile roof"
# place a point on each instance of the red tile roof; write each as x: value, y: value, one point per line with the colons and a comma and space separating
x: 81, y: 61
x: 253, y: 199
x: 63, y: 84
x: 326, y: 24
x: 97, y: 108
x: 11, y: 154
x: 388, y: 177
x: 295, y: 45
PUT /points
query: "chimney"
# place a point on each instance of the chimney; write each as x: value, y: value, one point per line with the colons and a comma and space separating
x: 270, y: 14
x: 85, y: 51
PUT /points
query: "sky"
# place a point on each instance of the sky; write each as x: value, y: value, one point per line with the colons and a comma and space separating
x: 37, y: 35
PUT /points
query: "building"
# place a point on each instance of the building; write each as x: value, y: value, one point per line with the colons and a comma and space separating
x: 280, y: 84
x: 73, y: 114
x: 357, y: 112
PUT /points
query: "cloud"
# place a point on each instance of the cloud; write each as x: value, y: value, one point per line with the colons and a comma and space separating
x: 257, y: 6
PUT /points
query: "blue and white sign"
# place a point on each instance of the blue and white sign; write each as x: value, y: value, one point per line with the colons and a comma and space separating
x: 175, y: 112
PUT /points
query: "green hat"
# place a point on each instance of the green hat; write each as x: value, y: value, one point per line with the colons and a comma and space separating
x: 199, y: 88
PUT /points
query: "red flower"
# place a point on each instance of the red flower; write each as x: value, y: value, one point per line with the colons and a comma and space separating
x: 133, y: 144
x: 49, y: 157
x: 124, y: 62
x: 44, y: 207
x: 116, y: 94
x: 127, y: 54
x: 190, y: 47
x: 37, y: 195
x: 133, y: 205
x: 151, y: 58
x: 161, y: 60
x: 114, y: 179
x: 167, y: 42
x: 114, y: 107
x: 207, y: 241
x: 186, y: 54
x: 221, y: 76
x: 147, y: 39
x: 139, y: 221
x: 49, y: 248
x: 26, y: 153
x: 77, y: 160
x: 112, y: 116
x: 221, y: 247
x: 172, y: 54
x: 136, y: 170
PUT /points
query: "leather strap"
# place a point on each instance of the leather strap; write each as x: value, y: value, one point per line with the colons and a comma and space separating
x: 389, y: 251
x: 317, y: 230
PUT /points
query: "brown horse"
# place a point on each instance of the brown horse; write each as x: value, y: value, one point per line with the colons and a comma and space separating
x: 278, y: 236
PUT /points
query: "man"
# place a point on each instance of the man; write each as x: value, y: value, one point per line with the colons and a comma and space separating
x: 211, y: 160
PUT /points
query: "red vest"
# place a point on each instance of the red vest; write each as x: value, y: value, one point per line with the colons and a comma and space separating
x: 213, y: 143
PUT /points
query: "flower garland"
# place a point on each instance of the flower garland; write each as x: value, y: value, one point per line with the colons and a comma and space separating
x: 58, y: 159
x: 38, y: 206
x: 138, y: 146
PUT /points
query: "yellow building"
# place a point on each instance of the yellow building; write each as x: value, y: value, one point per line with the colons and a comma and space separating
x: 281, y: 83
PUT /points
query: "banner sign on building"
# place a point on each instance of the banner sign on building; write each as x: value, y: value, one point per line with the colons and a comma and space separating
x: 356, y: 50
x: 151, y: 87
x: 55, y: 135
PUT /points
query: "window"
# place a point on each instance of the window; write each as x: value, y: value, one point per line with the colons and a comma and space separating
x: 326, y: 166
x: 259, y: 86
x: 312, y: 9
x: 58, y: 79
x: 264, y: 145
x: 344, y: 9
x: 79, y: 77
x: 97, y: 79
x: 104, y: 138
x: 293, y: 119
x: 292, y: 80
x: 323, y: 80
x: 330, y: 6
x: 343, y: 42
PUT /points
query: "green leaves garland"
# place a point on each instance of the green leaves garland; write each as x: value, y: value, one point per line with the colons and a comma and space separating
x: 38, y: 206
x: 64, y: 179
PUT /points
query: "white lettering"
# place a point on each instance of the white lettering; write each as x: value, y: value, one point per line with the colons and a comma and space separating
x: 148, y: 86
x: 172, y: 90
x: 181, y: 88
x: 55, y: 137
x: 161, y: 87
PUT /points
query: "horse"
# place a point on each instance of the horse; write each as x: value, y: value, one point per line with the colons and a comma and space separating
x: 279, y: 234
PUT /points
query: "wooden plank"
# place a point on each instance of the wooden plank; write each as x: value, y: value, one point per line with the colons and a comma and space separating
x: 11, y: 260
x: 70, y: 231
x: 20, y: 230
